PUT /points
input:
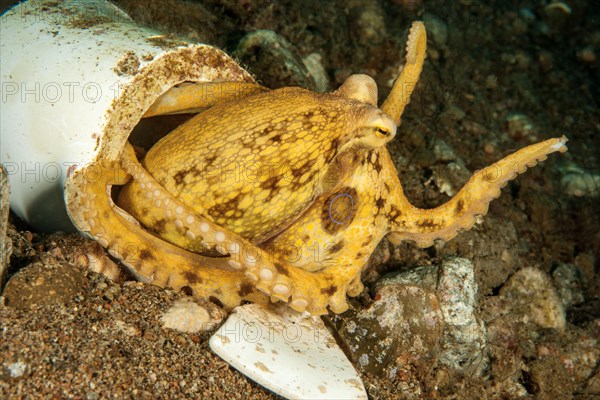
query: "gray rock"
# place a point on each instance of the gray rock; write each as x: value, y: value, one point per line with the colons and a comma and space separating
x: 314, y: 65
x: 578, y: 182
x: 367, y: 22
x: 404, y: 322
x: 436, y: 29
x: 274, y: 60
x: 569, y: 281
x: 464, y: 335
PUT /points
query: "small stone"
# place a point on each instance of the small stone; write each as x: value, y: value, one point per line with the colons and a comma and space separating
x: 16, y: 369
x: 569, y: 281
x: 453, y: 113
x: 313, y: 63
x: 127, y: 329
x: 465, y: 335
x: 520, y: 127
x: 587, y: 55
x: 442, y: 151
x: 578, y: 182
x: 556, y: 14
x: 489, y: 148
x: 367, y: 21
x: 46, y: 281
x: 274, y: 60
x: 188, y: 316
x: 436, y: 29
x: 534, y: 298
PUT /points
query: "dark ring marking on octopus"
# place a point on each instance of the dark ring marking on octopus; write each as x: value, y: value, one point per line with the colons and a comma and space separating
x: 351, y: 208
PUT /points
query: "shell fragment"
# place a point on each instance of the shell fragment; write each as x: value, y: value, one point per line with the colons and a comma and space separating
x: 289, y: 354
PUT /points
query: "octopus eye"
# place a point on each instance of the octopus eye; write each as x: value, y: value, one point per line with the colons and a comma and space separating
x: 382, y: 132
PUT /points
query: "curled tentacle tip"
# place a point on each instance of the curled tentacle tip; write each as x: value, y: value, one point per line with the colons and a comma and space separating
x: 561, y: 144
x: 417, y: 34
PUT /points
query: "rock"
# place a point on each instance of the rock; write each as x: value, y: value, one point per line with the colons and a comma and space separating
x: 493, y: 249
x: 404, y: 321
x: 188, y: 316
x: 49, y: 280
x: 520, y: 127
x: 5, y: 243
x: 534, y: 299
x: 464, y: 335
x: 592, y: 387
x: 556, y: 14
x: 289, y: 354
x: 450, y: 176
x: 570, y: 282
x: 367, y: 22
x: 313, y: 64
x: 578, y: 182
x: 274, y: 60
x: 579, y: 355
x: 587, y: 55
x: 436, y: 29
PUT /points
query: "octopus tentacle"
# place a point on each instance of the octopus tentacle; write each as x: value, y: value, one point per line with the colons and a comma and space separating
x: 149, y: 258
x: 444, y: 222
x: 399, y: 97
x: 192, y: 97
x: 155, y: 261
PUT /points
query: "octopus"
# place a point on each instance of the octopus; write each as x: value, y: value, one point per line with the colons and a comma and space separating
x: 275, y: 195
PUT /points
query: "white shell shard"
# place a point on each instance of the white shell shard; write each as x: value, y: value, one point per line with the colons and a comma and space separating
x: 291, y: 355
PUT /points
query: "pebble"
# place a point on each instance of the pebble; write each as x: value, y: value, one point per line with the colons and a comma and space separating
x: 556, y: 14
x: 570, y: 282
x: 520, y: 127
x: 188, y: 316
x: 274, y: 60
x: 46, y: 281
x: 587, y: 55
x: 313, y: 62
x: 578, y: 182
x: 16, y: 369
x: 367, y: 22
x: 437, y: 29
x: 534, y: 299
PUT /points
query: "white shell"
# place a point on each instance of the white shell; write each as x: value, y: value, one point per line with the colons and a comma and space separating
x: 76, y: 78
x: 293, y: 356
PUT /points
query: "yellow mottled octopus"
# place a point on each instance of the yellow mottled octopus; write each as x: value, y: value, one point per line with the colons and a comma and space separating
x: 277, y: 194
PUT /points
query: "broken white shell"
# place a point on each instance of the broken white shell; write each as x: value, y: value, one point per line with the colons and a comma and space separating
x: 294, y: 356
x: 76, y: 79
